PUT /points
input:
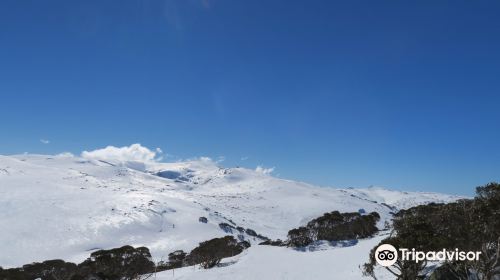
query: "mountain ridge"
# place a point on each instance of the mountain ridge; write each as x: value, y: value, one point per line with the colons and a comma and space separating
x: 64, y: 206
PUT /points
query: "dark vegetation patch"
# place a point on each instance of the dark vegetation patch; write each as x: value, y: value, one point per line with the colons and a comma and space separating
x: 227, y: 228
x: 277, y: 242
x: 127, y: 263
x: 209, y: 253
x: 334, y: 226
x: 251, y: 232
x: 469, y: 225
x: 175, y: 260
x: 116, y: 264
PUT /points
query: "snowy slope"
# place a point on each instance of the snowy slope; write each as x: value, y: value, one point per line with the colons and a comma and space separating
x: 268, y: 262
x: 65, y: 206
x: 399, y: 199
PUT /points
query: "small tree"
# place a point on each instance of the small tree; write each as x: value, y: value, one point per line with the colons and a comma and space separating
x: 126, y: 263
x: 176, y: 259
x: 209, y: 253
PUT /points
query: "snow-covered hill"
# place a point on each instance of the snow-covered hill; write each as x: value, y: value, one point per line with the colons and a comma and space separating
x: 65, y: 206
x: 272, y: 263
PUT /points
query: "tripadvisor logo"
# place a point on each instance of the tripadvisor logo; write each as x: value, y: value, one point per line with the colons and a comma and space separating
x: 387, y: 255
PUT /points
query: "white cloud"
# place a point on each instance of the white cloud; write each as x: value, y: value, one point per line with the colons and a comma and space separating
x: 205, y: 159
x: 220, y: 159
x: 263, y: 170
x: 244, y: 158
x: 134, y: 152
x: 65, y: 154
x: 45, y: 141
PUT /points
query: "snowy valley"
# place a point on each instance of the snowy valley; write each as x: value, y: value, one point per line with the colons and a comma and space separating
x: 65, y: 207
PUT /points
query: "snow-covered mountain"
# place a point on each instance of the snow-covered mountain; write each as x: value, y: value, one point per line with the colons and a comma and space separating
x: 65, y: 207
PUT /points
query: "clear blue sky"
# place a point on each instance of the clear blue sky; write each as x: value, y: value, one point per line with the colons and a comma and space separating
x: 404, y: 94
